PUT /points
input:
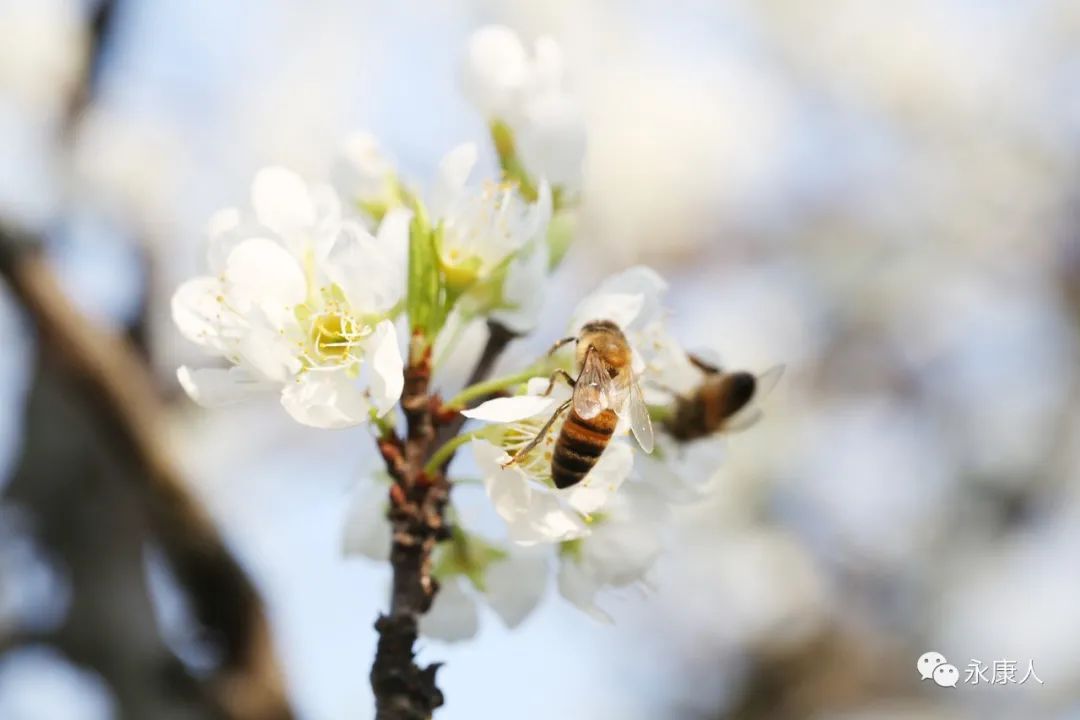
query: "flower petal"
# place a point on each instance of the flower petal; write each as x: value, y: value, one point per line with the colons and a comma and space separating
x: 199, y: 313
x: 496, y: 66
x: 261, y: 272
x: 363, y: 170
x: 454, y: 170
x: 367, y: 531
x: 325, y: 400
x: 393, y: 238
x: 507, y: 488
x: 546, y: 520
x: 580, y: 588
x: 513, y: 587
x: 264, y: 351
x: 453, y: 616
x: 620, y: 308
x: 548, y: 65
x: 603, y: 481
x: 510, y: 409
x: 282, y: 201
x: 226, y: 231
x: 640, y: 281
x: 552, y: 140
x: 684, y: 473
x: 531, y: 515
x: 387, y: 366
x: 523, y: 291
x: 215, y: 387
x: 368, y: 275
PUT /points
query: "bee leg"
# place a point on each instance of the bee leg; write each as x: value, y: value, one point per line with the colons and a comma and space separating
x: 703, y: 365
x: 540, y: 435
x: 560, y: 373
x: 558, y: 344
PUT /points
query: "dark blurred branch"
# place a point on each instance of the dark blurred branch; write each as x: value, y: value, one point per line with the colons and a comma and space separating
x: 101, y: 27
x: 832, y: 673
x: 108, y: 376
x: 403, y: 690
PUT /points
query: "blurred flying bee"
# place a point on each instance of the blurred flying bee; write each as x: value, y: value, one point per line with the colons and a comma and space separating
x: 604, y: 383
x: 723, y: 402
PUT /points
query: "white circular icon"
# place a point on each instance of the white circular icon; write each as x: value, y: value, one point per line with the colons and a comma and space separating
x: 946, y: 675
x: 928, y: 662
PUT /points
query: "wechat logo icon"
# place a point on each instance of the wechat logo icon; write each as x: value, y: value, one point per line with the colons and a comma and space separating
x: 934, y: 666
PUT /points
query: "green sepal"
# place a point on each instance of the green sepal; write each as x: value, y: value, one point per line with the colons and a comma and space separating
x: 423, y: 299
x: 560, y: 235
x: 571, y: 549
x: 466, y: 555
x: 513, y: 169
x: 393, y: 195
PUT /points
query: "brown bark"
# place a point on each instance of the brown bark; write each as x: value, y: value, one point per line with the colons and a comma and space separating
x: 404, y: 690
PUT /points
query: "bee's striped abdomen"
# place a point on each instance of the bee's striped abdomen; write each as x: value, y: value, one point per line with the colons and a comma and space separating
x: 580, y: 445
x: 729, y: 394
x: 711, y: 405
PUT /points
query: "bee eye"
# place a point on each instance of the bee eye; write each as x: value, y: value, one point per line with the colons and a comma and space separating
x: 612, y: 372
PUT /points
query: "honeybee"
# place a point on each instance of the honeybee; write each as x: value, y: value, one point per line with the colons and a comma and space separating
x: 721, y: 403
x: 604, y: 384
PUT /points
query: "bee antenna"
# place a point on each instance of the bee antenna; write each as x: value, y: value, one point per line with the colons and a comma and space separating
x: 559, y: 343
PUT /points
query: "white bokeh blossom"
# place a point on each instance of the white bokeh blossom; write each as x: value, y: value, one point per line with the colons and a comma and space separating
x: 366, y: 177
x: 300, y: 302
x: 527, y: 91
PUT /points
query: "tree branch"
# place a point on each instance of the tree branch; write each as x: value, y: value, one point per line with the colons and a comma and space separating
x: 108, y: 373
x: 404, y: 690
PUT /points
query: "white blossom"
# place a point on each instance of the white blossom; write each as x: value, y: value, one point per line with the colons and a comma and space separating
x: 527, y: 92
x: 43, y: 52
x: 367, y: 531
x: 683, y: 472
x: 300, y: 302
x: 365, y: 176
x: 633, y: 300
x: 490, y: 241
x: 619, y: 552
x: 453, y: 615
x: 512, y: 586
x: 523, y: 493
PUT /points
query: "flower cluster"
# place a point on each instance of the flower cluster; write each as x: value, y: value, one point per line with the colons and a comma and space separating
x: 313, y: 291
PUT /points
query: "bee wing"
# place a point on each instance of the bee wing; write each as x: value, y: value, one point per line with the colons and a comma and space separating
x: 593, y: 388
x: 752, y: 413
x: 743, y: 420
x: 767, y: 380
x: 640, y: 423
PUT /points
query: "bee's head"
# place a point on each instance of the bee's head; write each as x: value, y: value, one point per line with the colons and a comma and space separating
x: 608, y: 340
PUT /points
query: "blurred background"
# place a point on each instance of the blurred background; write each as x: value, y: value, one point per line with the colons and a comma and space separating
x: 883, y: 196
